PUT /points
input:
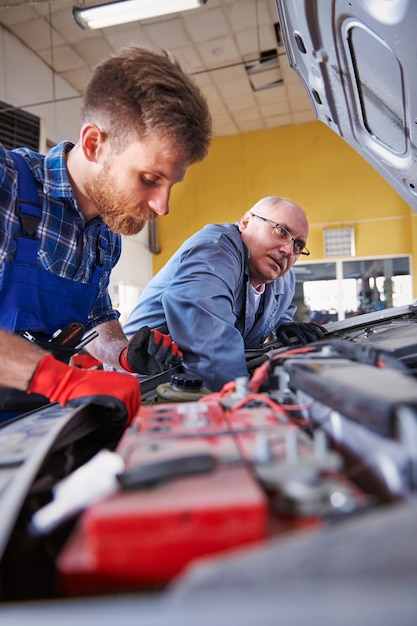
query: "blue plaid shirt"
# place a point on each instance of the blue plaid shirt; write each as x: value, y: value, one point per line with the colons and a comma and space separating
x: 68, y: 246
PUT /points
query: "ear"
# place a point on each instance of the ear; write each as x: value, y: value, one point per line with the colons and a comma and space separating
x: 92, y: 139
x: 243, y: 224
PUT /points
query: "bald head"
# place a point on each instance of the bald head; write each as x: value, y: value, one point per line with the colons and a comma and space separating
x: 276, y: 206
x: 269, y: 256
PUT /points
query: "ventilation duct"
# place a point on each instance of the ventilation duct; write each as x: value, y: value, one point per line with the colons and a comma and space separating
x: 339, y: 242
x: 19, y: 128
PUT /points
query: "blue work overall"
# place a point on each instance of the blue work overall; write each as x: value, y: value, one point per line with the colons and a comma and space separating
x: 32, y: 298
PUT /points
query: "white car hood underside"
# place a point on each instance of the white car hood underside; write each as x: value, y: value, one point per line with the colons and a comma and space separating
x: 358, y: 63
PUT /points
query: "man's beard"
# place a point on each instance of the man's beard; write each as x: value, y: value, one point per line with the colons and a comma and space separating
x: 120, y: 221
x: 116, y: 212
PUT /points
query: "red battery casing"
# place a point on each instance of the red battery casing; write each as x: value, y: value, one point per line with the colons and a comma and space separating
x: 145, y: 536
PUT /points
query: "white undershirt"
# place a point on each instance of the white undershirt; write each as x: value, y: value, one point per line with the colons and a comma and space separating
x: 253, y: 302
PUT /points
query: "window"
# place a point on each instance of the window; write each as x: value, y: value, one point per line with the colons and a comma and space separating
x: 335, y: 290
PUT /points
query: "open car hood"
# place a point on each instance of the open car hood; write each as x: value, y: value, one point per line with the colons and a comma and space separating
x: 357, y: 61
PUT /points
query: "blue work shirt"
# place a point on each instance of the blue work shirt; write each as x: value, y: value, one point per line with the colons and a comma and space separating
x: 67, y: 245
x: 201, y: 295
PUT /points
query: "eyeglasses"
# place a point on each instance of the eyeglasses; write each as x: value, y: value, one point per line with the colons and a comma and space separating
x: 284, y: 236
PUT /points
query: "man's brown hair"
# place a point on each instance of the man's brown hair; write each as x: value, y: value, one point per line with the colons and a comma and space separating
x: 142, y: 91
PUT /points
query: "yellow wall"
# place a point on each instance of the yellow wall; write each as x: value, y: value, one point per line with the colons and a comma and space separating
x: 308, y: 163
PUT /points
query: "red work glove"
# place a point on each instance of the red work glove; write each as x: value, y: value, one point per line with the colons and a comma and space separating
x: 150, y: 352
x: 60, y: 382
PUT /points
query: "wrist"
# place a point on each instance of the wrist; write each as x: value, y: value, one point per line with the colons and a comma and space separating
x: 32, y: 375
x: 124, y: 362
x: 47, y: 376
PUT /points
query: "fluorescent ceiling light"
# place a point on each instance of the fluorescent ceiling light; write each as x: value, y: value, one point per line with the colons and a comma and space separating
x: 103, y: 15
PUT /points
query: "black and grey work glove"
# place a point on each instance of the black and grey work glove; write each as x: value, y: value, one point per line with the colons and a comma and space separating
x: 150, y: 352
x: 299, y: 332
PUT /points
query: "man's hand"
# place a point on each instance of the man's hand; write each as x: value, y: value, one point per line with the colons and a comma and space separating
x: 150, y: 352
x: 299, y: 332
x: 60, y: 382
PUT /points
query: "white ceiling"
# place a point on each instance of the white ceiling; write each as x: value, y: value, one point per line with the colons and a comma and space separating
x: 213, y: 43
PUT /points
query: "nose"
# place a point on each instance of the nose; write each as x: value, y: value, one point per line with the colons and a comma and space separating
x: 159, y: 202
x: 288, y: 246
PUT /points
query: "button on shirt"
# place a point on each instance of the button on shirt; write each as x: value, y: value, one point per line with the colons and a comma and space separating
x: 67, y: 246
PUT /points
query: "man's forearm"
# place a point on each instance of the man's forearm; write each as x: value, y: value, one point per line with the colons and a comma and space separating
x: 18, y: 362
x: 109, y: 344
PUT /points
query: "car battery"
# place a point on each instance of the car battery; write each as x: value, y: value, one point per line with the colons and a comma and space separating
x: 198, y: 480
x: 369, y: 415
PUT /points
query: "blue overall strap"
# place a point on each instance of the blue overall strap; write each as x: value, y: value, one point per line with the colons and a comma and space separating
x: 101, y: 246
x: 29, y: 210
x: 28, y: 206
